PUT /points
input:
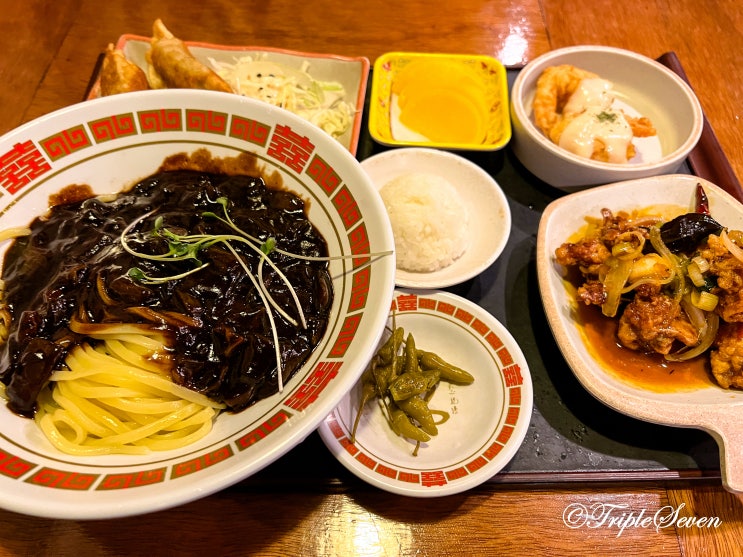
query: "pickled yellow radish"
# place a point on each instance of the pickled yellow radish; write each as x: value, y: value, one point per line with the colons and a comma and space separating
x: 431, y: 73
x: 443, y: 100
x: 445, y: 116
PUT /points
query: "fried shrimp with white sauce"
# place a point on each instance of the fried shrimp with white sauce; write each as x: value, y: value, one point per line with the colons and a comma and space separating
x: 554, y: 87
x: 575, y: 109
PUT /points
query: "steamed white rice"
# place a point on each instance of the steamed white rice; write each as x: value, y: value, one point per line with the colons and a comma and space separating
x: 430, y: 223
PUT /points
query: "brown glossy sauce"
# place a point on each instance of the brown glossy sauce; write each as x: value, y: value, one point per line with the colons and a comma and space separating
x: 649, y: 371
x: 73, y: 193
x: 72, y: 265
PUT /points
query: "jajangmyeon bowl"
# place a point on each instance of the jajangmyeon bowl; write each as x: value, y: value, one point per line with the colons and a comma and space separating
x: 113, y: 143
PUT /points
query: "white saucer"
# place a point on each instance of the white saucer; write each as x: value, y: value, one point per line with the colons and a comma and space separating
x: 490, y: 215
x: 488, y: 419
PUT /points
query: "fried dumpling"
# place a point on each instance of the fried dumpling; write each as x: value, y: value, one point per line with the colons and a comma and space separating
x: 171, y: 64
x: 119, y: 75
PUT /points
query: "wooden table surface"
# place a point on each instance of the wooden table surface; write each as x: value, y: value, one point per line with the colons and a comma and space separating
x: 48, y: 52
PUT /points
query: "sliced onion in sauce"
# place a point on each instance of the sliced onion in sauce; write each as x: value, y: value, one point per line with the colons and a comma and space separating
x: 707, y: 340
x: 732, y: 248
x: 673, y: 261
x: 614, y: 281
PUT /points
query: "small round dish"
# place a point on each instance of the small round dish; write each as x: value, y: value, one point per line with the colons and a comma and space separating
x: 489, y: 212
x: 488, y: 419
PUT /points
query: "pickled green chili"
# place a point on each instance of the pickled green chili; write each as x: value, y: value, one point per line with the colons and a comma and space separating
x: 430, y: 361
x: 403, y: 378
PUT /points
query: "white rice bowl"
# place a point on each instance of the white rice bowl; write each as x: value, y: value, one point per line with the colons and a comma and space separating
x: 430, y: 223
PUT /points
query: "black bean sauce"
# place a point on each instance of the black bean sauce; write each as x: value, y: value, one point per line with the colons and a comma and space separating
x: 73, y: 266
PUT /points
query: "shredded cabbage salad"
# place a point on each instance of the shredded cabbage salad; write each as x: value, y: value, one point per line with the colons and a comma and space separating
x: 320, y: 102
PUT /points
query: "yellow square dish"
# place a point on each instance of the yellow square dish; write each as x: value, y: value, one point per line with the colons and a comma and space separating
x: 447, y: 101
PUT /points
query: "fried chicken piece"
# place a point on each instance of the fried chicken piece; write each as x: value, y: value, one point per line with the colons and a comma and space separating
x: 602, y: 153
x: 592, y: 292
x: 588, y: 254
x: 119, y: 75
x: 641, y: 126
x: 654, y: 321
x: 615, y: 226
x: 729, y: 272
x: 727, y: 359
x: 171, y: 64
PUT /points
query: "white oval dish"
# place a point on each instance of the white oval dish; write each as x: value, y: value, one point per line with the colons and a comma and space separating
x: 489, y: 212
x: 713, y: 409
x: 112, y: 142
x: 489, y: 418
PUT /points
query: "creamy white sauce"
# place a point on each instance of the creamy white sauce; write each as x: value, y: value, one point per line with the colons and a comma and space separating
x: 607, y: 126
x: 592, y: 118
x: 591, y: 92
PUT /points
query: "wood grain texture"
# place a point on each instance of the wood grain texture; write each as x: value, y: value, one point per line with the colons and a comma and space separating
x: 712, y: 539
x: 363, y: 522
x: 508, y: 29
x: 30, y: 36
x: 706, y: 36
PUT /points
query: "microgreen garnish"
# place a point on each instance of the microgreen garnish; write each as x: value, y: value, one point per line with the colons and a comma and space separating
x: 269, y: 245
x: 187, y: 247
x: 138, y: 274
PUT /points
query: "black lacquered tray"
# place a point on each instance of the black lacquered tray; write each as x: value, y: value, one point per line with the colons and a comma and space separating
x: 572, y: 437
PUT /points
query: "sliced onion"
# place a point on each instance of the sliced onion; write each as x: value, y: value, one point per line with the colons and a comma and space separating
x: 673, y: 261
x: 647, y: 280
x: 732, y: 248
x: 614, y: 281
x: 629, y: 246
x: 696, y: 316
x: 708, y: 338
x: 645, y: 270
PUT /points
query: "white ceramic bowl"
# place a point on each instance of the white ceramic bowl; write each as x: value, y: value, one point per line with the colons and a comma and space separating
x: 645, y: 85
x: 112, y: 142
x: 488, y: 419
x: 709, y: 407
x: 486, y: 204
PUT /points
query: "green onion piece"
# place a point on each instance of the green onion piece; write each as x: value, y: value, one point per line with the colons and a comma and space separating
x: 701, y: 262
x: 269, y: 245
x: 695, y: 274
x: 706, y: 301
